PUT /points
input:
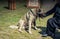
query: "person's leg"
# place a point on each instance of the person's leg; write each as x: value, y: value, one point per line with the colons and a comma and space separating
x: 50, y: 30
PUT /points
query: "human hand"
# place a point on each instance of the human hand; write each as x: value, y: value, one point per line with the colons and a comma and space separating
x: 41, y: 15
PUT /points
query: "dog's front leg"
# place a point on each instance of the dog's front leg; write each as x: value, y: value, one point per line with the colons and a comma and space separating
x: 35, y: 25
x: 30, y: 27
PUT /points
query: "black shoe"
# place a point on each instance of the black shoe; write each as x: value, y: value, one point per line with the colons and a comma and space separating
x: 44, y: 35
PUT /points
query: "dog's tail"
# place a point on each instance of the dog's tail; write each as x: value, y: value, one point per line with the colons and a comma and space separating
x: 13, y: 26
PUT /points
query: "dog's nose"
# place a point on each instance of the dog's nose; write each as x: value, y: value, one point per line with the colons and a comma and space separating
x: 39, y: 10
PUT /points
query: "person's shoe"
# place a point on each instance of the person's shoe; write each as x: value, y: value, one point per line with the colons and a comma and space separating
x: 44, y: 35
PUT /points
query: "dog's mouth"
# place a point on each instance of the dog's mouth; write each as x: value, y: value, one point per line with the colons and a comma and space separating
x: 39, y: 12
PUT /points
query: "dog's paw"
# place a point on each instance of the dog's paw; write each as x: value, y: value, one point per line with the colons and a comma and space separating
x: 20, y: 31
x: 36, y: 28
x: 30, y: 32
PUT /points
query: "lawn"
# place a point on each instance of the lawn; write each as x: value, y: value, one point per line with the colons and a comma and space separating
x: 11, y: 17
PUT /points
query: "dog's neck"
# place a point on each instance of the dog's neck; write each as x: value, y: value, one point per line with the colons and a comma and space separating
x: 34, y: 11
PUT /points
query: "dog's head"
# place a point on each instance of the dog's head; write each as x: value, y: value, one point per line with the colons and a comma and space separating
x: 39, y: 12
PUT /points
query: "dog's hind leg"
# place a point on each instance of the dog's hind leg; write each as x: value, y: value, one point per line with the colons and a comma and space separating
x: 21, y: 24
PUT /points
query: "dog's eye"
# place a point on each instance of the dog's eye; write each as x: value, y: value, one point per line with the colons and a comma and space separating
x: 39, y: 10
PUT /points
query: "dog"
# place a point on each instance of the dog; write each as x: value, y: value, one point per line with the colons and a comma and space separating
x: 29, y: 19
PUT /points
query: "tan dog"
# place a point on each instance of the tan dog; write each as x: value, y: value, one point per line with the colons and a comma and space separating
x: 28, y: 19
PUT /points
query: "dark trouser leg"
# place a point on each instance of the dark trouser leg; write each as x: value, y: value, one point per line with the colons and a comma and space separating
x: 50, y: 30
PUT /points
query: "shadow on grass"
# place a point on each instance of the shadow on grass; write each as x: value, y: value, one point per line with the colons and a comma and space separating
x: 42, y: 28
x: 6, y: 7
x: 57, y: 34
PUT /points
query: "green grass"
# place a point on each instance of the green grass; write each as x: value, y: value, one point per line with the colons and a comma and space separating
x: 8, y: 17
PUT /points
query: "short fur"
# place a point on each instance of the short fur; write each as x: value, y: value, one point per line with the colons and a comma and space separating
x: 28, y: 19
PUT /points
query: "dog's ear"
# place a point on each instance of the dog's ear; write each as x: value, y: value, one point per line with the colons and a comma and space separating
x: 39, y: 10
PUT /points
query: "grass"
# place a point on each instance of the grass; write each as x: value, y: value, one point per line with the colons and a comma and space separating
x: 8, y: 17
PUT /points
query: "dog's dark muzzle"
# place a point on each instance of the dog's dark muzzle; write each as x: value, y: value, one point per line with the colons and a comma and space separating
x: 40, y: 15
